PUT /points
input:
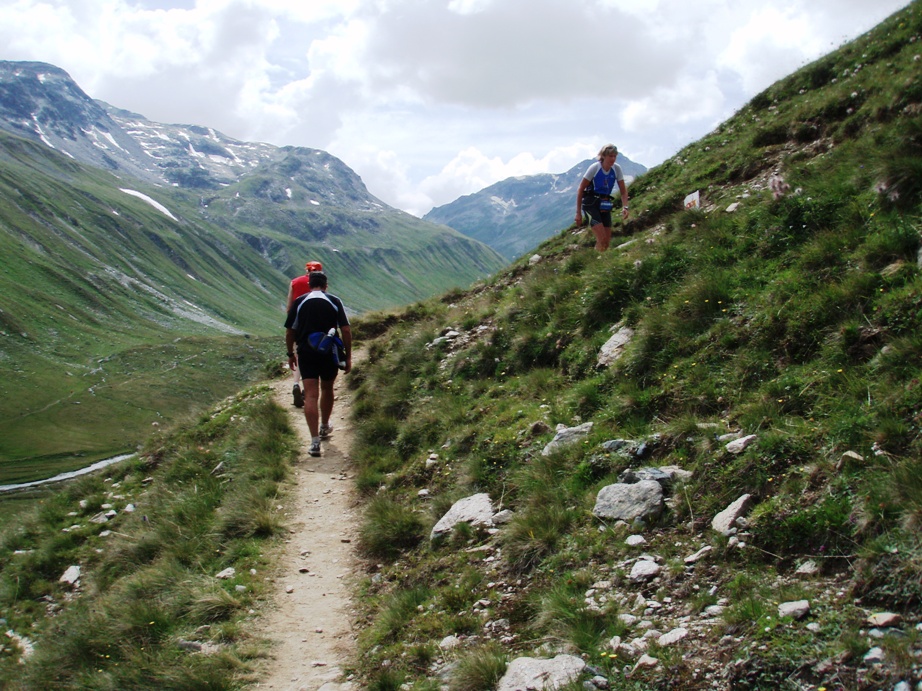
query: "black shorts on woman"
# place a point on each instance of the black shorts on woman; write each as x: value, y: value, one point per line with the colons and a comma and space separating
x: 590, y: 206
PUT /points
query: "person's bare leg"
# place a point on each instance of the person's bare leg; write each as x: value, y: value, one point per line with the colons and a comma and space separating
x: 311, y: 411
x: 602, y: 237
x: 327, y: 398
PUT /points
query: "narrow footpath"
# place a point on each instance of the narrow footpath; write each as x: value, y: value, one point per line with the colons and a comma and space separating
x: 309, y: 620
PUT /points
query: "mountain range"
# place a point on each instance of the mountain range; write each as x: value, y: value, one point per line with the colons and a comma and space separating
x: 516, y: 215
x: 139, y: 259
x: 289, y: 204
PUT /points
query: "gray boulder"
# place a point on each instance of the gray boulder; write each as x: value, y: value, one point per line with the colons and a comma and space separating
x: 725, y: 521
x: 566, y: 436
x: 533, y: 674
x: 475, y: 510
x: 614, y: 347
x: 628, y: 502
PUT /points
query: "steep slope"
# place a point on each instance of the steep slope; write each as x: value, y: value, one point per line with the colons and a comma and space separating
x: 517, y: 214
x: 734, y: 497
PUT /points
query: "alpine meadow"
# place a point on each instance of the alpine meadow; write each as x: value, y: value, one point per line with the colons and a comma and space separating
x: 691, y: 462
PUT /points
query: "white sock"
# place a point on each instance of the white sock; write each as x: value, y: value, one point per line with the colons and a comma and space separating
x: 315, y: 440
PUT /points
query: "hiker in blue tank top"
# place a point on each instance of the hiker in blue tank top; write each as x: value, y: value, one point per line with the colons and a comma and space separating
x: 594, y: 196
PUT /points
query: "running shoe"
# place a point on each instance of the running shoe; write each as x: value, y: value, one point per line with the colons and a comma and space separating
x: 325, y: 431
x: 299, y: 397
x: 315, y: 448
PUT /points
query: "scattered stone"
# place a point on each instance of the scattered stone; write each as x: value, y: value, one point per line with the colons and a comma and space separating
x: 796, y: 610
x: 423, y: 494
x: 641, y: 500
x: 646, y: 662
x: 100, y: 518
x: 884, y: 619
x: 533, y: 673
x: 676, y: 474
x: 227, y: 573
x: 475, y: 510
x: 733, y: 207
x: 808, y: 568
x: 615, y: 346
x: 737, y: 446
x: 194, y: 646
x: 129, y: 508
x: 874, y: 656
x: 502, y: 517
x: 645, y: 570
x: 672, y: 637
x: 849, y: 458
x: 534, y: 259
x: 635, y: 541
x: 724, y: 521
x: 627, y: 619
x: 699, y: 555
x: 567, y: 436
x: 729, y: 436
x: 70, y: 576
x: 449, y: 643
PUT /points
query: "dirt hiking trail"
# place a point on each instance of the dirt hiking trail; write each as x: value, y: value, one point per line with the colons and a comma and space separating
x: 310, y: 616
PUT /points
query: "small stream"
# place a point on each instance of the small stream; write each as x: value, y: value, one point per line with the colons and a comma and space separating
x: 67, y: 476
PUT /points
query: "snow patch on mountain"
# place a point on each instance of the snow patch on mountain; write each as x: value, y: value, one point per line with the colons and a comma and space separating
x: 157, y: 205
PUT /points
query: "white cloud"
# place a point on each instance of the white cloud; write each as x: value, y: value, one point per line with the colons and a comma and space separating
x: 431, y: 100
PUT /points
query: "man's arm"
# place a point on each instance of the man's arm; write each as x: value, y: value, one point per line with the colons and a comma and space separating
x: 583, y: 184
x: 290, y: 346
x: 346, y: 332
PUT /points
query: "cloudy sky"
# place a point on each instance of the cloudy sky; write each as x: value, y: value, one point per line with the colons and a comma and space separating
x: 429, y: 100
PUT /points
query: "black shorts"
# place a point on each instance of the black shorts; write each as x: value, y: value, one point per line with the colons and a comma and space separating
x: 596, y: 215
x: 314, y: 365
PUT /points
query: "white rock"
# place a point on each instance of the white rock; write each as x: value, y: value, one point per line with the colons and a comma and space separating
x: 635, y: 541
x: 699, y: 555
x: 885, y: 619
x: 808, y: 568
x: 449, y: 642
x: 71, y: 575
x: 647, y: 662
x: 796, y: 610
x: 724, y: 521
x: 615, y: 346
x: 476, y: 510
x: 227, y: 573
x: 737, y: 446
x: 874, y: 656
x: 567, y: 436
x: 527, y: 673
x: 644, y: 570
x: 672, y: 637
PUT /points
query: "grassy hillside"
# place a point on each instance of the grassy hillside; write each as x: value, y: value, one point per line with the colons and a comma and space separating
x: 150, y: 536
x: 118, y: 315
x: 114, y: 316
x: 789, y: 307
